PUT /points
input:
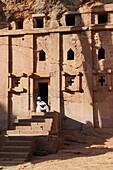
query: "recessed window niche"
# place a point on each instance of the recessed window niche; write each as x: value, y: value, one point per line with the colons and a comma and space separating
x: 42, y: 56
x: 70, y: 20
x: 101, y: 54
x: 38, y: 20
x: 103, y: 18
x: 19, y: 24
x: 70, y: 54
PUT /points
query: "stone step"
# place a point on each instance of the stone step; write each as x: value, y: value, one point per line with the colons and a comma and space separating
x: 43, y: 126
x: 18, y: 143
x: 33, y: 119
x: 47, y: 116
x: 32, y: 134
x: 23, y: 128
x: 11, y: 161
x: 42, y: 114
x: 38, y: 127
x: 37, y: 114
x: 27, y: 132
x: 34, y: 123
x: 24, y: 123
x: 18, y: 137
x: 29, y: 115
x: 37, y: 132
x: 15, y: 149
x: 13, y: 155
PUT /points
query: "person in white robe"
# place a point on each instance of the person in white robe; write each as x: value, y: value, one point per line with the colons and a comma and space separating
x: 41, y: 105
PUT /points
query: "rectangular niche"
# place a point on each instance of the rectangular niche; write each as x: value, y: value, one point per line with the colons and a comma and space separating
x: 70, y: 19
x: 19, y: 24
x: 73, y: 19
x: 38, y: 21
x: 103, y: 18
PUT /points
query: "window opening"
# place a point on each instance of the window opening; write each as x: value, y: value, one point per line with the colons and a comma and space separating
x: 102, y: 18
x: 38, y: 22
x: 43, y: 91
x: 101, y: 54
x: 42, y: 56
x: 70, y: 20
x: 85, y: 1
x: 71, y: 81
x: 16, y: 82
x: 19, y: 24
x: 102, y: 80
x: 19, y: 1
x: 70, y: 55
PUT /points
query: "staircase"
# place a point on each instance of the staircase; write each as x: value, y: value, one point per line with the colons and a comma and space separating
x: 20, y: 141
x: 17, y: 149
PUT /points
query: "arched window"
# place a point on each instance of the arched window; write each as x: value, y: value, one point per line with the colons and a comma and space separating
x: 42, y: 56
x: 70, y: 55
x: 101, y: 54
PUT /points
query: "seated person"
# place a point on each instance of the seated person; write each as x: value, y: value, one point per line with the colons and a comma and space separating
x: 41, y: 105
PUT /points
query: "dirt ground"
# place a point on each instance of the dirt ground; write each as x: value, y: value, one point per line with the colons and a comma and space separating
x: 88, y: 150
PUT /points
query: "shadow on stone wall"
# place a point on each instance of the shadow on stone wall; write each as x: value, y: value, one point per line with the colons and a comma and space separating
x: 104, y: 102
x: 3, y: 19
x: 3, y: 118
x: 70, y: 123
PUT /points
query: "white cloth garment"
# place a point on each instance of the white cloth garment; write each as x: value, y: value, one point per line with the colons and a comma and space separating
x: 42, y: 106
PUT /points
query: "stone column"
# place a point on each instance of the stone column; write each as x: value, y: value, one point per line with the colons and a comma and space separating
x: 4, y: 82
x: 55, y: 72
x: 87, y: 82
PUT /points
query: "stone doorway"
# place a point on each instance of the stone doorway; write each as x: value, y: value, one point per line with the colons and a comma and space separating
x: 41, y: 88
x: 43, y: 91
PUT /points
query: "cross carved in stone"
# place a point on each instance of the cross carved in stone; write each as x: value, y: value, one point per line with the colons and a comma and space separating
x: 71, y: 81
x: 17, y: 82
x: 102, y: 80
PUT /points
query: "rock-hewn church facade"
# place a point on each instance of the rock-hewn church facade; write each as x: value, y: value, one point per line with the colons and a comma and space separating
x: 62, y: 51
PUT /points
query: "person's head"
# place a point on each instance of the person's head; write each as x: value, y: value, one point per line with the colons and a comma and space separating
x: 39, y: 98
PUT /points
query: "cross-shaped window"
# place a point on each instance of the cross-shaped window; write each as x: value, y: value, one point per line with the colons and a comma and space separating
x: 16, y: 82
x: 102, y: 80
x: 71, y: 81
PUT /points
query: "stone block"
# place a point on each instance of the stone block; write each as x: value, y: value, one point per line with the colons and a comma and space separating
x: 50, y: 144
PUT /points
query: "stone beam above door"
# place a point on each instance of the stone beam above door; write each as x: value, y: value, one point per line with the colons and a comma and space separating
x: 36, y: 75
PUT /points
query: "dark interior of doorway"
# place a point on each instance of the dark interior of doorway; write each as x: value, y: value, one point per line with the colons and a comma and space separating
x: 43, y: 91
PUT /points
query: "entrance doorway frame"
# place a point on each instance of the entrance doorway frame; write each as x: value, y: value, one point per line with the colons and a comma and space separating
x: 36, y: 83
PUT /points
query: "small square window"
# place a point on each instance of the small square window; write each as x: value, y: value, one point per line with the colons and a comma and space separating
x: 70, y: 20
x: 102, y: 18
x: 38, y: 22
x: 19, y: 24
